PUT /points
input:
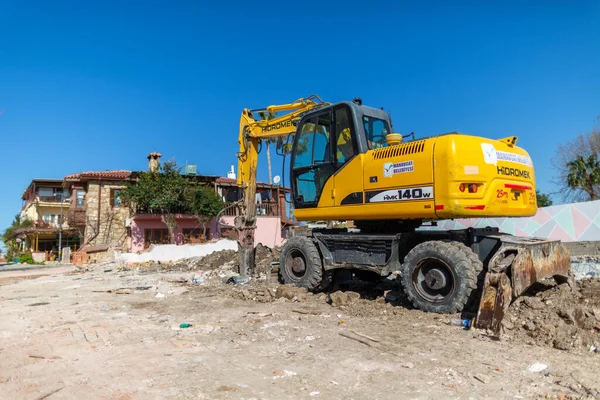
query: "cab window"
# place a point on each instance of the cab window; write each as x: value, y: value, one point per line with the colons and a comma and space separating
x: 345, y: 146
x: 312, y: 163
x: 376, y: 130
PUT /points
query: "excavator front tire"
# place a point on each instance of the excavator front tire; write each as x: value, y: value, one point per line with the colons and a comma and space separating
x: 440, y: 276
x: 300, y: 264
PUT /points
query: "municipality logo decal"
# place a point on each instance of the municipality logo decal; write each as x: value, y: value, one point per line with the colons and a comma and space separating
x: 388, y: 169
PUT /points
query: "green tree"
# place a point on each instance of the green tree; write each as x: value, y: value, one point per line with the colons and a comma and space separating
x: 9, y: 236
x: 584, y: 146
x: 159, y: 192
x: 205, y: 204
x: 168, y: 193
x: 584, y: 174
x: 543, y: 199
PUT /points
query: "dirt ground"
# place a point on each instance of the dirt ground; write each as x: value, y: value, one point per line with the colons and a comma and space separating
x: 113, y: 332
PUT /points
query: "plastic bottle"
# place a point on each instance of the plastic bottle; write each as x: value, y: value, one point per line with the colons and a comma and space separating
x: 465, y: 323
x: 185, y: 325
x: 241, y: 281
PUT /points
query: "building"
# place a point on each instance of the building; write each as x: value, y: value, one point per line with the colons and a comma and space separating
x: 45, y: 204
x: 148, y: 229
x: 95, y: 208
x: 94, y: 221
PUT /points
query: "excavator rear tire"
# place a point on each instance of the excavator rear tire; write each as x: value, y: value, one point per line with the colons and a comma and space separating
x: 440, y: 276
x: 300, y: 264
x: 473, y: 300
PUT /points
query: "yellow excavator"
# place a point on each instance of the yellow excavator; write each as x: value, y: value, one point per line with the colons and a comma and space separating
x: 348, y: 164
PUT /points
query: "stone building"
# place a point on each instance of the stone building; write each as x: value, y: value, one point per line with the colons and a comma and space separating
x: 96, y: 210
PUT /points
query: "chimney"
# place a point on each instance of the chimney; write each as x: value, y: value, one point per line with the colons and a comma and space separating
x: 231, y: 174
x: 154, y: 161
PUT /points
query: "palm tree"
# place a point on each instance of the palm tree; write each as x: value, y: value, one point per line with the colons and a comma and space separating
x: 584, y: 174
x: 268, y: 116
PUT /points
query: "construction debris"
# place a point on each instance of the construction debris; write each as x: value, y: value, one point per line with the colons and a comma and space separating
x: 361, y: 333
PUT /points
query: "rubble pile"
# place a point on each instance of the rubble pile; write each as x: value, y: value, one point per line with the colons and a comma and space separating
x: 585, y: 266
x: 557, y: 316
x: 263, y: 258
x: 548, y: 315
x: 266, y: 292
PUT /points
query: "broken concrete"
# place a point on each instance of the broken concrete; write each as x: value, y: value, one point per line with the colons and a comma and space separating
x: 585, y: 266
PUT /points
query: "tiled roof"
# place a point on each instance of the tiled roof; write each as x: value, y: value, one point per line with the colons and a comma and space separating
x: 226, y: 180
x: 114, y: 174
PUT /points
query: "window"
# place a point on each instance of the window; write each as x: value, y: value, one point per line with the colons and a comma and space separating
x: 344, y: 143
x: 376, y: 130
x: 51, y: 219
x: 80, y: 198
x: 115, y: 200
x: 45, y: 192
x: 155, y: 236
x: 194, y: 236
x: 303, y: 155
x: 312, y: 165
x: 231, y: 195
x: 321, y: 143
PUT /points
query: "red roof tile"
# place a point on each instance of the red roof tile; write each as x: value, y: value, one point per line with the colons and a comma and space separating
x: 114, y: 174
x: 226, y: 180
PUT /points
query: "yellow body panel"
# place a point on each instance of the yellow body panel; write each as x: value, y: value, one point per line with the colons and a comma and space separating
x: 421, y: 179
x: 503, y: 172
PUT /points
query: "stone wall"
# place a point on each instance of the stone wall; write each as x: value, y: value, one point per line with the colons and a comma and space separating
x: 111, y: 228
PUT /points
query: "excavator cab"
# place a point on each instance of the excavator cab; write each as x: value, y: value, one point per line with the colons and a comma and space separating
x: 330, y: 139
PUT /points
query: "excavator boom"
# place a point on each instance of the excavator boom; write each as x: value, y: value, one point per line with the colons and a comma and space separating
x: 252, y: 131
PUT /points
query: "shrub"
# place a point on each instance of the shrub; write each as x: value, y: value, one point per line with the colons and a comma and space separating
x: 26, y: 259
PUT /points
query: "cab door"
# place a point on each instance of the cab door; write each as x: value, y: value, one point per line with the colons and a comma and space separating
x: 348, y: 162
x: 312, y: 162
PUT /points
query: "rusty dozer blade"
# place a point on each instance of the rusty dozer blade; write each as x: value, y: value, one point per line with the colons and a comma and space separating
x: 516, y: 265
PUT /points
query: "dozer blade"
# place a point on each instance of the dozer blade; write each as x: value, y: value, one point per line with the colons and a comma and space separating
x: 515, y: 267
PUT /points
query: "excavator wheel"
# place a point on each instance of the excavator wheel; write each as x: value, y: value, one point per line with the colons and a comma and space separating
x: 300, y: 264
x: 440, y: 276
x: 475, y: 296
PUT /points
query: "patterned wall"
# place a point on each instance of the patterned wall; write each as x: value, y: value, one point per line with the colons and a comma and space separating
x: 568, y: 222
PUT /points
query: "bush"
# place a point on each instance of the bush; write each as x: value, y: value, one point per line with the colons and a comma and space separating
x: 26, y: 259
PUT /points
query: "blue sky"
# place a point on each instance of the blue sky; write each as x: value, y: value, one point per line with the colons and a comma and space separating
x: 87, y: 86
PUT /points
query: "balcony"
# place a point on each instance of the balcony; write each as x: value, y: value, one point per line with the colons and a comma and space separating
x: 41, y: 224
x: 53, y: 199
x: 49, y: 225
x: 262, y: 210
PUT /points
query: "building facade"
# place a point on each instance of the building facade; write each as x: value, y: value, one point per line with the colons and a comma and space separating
x: 45, y: 204
x: 96, y: 210
x: 85, y: 213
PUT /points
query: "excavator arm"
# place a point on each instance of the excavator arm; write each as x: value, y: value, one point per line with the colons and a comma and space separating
x: 252, y: 131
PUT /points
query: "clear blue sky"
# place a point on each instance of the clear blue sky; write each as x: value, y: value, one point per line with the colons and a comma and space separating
x: 95, y: 87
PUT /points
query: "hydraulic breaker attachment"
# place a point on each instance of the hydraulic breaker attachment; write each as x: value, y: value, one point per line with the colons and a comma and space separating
x: 245, y: 238
x: 516, y: 265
